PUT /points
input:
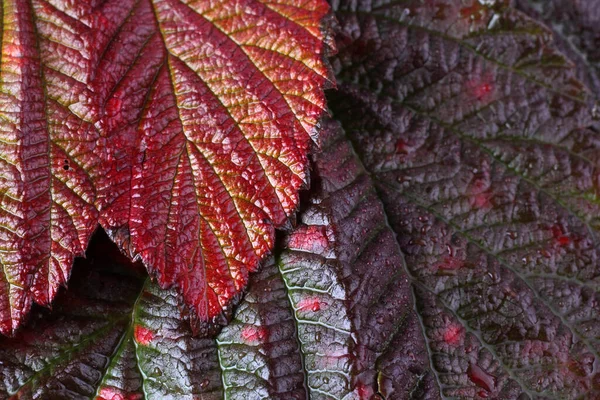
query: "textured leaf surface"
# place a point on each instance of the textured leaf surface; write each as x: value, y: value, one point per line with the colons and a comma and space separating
x: 183, y: 127
x: 113, y: 335
x: 576, y: 32
x: 317, y: 321
x: 474, y: 131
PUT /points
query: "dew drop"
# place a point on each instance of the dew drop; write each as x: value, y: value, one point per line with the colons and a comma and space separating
x: 596, y: 111
x: 157, y: 371
x: 204, y: 383
x: 325, y: 380
x: 318, y: 337
x: 481, y: 378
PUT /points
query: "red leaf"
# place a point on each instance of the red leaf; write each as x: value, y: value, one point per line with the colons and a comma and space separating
x: 183, y: 127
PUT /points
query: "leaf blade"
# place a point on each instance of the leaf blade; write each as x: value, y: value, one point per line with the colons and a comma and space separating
x: 461, y: 135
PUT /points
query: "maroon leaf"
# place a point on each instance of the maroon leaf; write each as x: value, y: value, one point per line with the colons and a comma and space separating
x: 576, y: 32
x: 474, y: 130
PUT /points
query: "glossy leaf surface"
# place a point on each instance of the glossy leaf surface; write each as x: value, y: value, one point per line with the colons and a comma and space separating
x: 183, y: 127
x: 448, y: 247
x: 316, y: 322
x: 576, y: 32
x: 475, y: 133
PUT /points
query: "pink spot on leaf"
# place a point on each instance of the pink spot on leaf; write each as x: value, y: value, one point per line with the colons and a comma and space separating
x: 254, y: 334
x: 402, y: 147
x: 474, y: 11
x: 450, y: 263
x: 453, y: 334
x: 143, y: 335
x: 311, y: 303
x: 311, y: 238
x: 113, y: 106
x: 481, y: 88
x: 364, y: 392
x: 559, y: 236
x: 110, y: 393
x: 481, y: 200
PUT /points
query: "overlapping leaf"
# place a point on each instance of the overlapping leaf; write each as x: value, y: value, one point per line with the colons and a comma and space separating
x: 183, y: 127
x: 448, y: 247
x: 475, y: 133
x: 317, y: 321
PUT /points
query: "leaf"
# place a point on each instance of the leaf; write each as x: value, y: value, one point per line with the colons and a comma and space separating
x: 575, y: 33
x: 313, y: 324
x: 183, y: 127
x: 113, y: 335
x: 475, y: 133
x: 116, y: 335
x: 439, y: 252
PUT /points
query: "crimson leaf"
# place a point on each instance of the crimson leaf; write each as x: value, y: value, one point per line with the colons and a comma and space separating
x: 181, y: 126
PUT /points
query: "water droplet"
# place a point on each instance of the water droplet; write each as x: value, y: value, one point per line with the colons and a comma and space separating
x: 204, y: 383
x: 157, y: 371
x: 318, y: 337
x: 596, y: 111
x: 481, y: 378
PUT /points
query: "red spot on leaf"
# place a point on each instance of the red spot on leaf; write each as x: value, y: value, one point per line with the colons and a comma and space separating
x: 451, y: 264
x: 254, y: 334
x: 481, y: 88
x: 110, y: 393
x: 113, y: 106
x: 402, y: 147
x: 453, y: 334
x: 475, y: 11
x: 364, y: 392
x: 481, y: 200
x: 143, y: 335
x: 559, y: 236
x: 311, y: 238
x: 481, y: 378
x: 313, y: 304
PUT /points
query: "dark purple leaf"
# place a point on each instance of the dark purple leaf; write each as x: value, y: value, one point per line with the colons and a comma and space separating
x: 474, y: 130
